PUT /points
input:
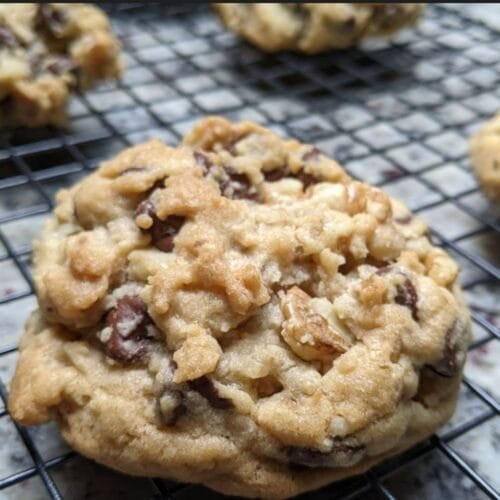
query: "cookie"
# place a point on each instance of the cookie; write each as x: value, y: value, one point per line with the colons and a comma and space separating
x: 485, y: 157
x: 314, y: 27
x: 46, y: 50
x: 239, y: 312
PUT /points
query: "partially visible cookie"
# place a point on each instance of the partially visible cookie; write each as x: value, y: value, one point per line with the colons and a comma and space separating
x: 314, y: 27
x: 46, y: 50
x: 485, y: 157
x: 239, y: 312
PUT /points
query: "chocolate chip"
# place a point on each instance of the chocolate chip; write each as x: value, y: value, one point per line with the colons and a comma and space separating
x: 276, y: 174
x: 145, y: 207
x: 51, y: 18
x: 60, y: 65
x: 279, y: 173
x: 342, y: 454
x: 128, y: 321
x: 206, y: 388
x: 448, y: 365
x: 312, y: 155
x: 404, y: 220
x: 237, y: 186
x: 162, y: 232
x: 7, y: 37
x: 203, y: 161
x: 383, y: 271
x: 407, y: 296
x: 306, y: 179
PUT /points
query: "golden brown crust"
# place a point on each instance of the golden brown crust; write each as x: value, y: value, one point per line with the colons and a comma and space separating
x: 238, y: 312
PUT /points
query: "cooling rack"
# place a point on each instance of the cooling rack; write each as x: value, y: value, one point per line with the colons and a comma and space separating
x: 396, y: 114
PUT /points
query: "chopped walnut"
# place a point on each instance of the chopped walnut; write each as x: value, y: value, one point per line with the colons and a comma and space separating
x: 440, y: 267
x: 198, y: 356
x: 374, y: 289
x: 308, y: 333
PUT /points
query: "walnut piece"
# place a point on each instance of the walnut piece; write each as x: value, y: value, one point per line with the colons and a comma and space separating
x: 308, y: 333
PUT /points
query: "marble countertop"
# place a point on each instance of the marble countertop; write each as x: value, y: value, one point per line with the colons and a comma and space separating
x: 410, y: 135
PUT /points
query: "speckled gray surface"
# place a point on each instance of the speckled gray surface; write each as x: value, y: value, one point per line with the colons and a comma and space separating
x: 407, y: 131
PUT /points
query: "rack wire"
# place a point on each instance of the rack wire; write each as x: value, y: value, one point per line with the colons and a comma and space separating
x: 396, y: 114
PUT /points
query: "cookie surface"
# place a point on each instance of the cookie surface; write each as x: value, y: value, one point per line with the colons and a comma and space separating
x: 314, y: 27
x: 47, y: 49
x: 485, y: 157
x: 238, y: 312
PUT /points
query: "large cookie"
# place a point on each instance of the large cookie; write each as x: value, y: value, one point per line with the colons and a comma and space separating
x: 314, y: 27
x: 239, y: 312
x: 46, y: 50
x: 485, y: 157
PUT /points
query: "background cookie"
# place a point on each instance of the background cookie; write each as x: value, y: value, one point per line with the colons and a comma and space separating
x: 47, y: 49
x: 239, y: 312
x: 314, y: 27
x: 485, y: 157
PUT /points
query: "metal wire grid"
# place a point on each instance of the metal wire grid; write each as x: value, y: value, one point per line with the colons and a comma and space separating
x: 417, y: 95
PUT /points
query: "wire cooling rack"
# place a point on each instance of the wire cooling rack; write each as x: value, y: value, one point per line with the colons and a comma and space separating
x: 396, y: 114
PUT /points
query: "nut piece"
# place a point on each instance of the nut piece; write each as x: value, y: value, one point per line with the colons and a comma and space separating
x: 198, y: 355
x: 308, y: 333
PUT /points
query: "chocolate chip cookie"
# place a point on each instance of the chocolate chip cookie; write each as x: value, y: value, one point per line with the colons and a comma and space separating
x: 239, y: 312
x: 314, y: 27
x: 485, y: 157
x: 46, y: 50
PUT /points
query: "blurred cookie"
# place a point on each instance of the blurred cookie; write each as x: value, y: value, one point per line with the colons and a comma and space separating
x: 239, y: 312
x: 485, y: 157
x: 46, y: 50
x: 314, y: 27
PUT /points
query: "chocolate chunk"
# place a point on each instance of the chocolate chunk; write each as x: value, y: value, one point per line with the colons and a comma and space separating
x: 50, y: 18
x: 404, y: 220
x: 145, y: 207
x: 203, y: 161
x: 162, y: 232
x: 449, y: 364
x: 383, y: 270
x: 206, y: 388
x: 306, y: 179
x: 128, y: 321
x: 60, y: 65
x: 276, y: 174
x: 7, y: 37
x: 237, y: 186
x: 407, y: 296
x: 342, y: 454
x: 279, y: 173
x: 312, y: 155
